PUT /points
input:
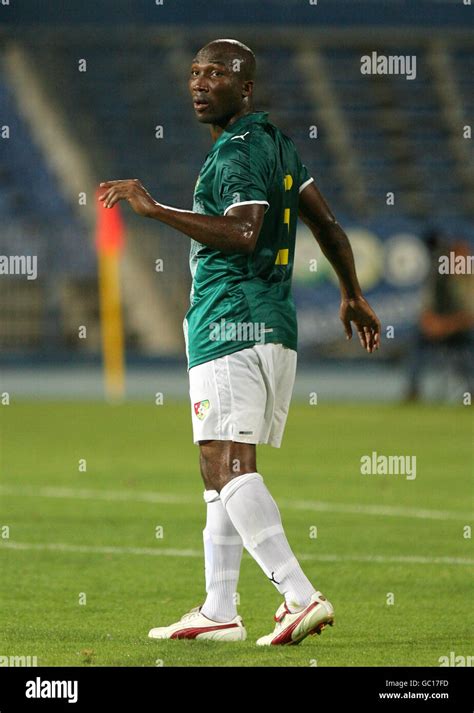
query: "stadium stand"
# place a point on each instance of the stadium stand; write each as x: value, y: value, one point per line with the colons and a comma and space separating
x: 375, y: 134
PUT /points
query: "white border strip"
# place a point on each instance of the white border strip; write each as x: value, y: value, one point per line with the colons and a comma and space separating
x: 306, y: 183
x: 234, y: 205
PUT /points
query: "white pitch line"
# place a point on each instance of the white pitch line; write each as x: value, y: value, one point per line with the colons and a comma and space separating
x: 173, y: 499
x: 89, y: 494
x: 389, y: 510
x: 170, y: 552
x: 102, y: 550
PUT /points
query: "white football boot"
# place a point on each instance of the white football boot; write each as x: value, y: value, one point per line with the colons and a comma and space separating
x: 195, y: 625
x: 292, y: 628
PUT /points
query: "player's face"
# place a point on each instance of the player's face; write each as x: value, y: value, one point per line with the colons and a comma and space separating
x: 215, y: 90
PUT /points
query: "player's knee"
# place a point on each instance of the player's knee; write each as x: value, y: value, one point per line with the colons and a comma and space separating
x: 221, y: 461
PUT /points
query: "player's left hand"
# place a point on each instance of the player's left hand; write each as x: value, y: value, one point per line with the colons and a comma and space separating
x: 367, y: 323
x: 130, y: 190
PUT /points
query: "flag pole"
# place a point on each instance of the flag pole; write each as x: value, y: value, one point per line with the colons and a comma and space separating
x: 109, y: 245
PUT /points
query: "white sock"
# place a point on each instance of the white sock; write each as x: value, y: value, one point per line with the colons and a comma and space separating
x: 222, y: 555
x: 256, y: 517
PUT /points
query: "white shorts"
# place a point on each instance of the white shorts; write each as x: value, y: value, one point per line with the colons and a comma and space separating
x: 243, y: 396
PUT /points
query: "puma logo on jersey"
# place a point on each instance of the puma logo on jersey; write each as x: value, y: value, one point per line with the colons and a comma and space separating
x: 240, y: 136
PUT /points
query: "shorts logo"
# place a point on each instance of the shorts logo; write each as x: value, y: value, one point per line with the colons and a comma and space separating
x: 201, y: 408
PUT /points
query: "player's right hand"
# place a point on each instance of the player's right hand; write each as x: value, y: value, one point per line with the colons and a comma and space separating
x: 131, y: 190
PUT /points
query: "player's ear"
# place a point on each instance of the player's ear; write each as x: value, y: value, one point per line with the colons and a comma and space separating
x: 247, y: 88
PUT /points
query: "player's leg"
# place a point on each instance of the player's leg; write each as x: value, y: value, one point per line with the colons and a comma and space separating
x: 211, y: 409
x: 211, y: 405
x: 222, y: 543
x: 216, y: 619
x: 255, y: 516
x: 231, y: 469
x: 418, y: 356
x: 252, y: 509
x: 236, y: 396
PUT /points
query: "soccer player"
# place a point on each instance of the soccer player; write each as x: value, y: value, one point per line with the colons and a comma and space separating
x: 240, y: 333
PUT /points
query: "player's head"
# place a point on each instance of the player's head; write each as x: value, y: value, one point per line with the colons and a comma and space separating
x: 221, y: 81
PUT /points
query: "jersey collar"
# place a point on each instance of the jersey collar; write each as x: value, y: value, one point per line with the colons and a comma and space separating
x: 256, y: 117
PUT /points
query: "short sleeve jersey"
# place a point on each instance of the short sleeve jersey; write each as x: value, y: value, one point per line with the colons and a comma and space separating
x: 240, y: 300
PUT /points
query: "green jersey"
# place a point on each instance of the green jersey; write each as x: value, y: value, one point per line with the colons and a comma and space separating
x: 240, y: 300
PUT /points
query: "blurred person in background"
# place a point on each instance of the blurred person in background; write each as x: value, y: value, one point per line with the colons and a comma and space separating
x: 445, y: 327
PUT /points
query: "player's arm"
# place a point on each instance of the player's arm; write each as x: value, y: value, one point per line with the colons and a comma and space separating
x: 334, y: 243
x: 440, y: 326
x: 236, y: 232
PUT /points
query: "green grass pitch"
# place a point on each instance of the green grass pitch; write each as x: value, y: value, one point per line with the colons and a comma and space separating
x: 84, y: 575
